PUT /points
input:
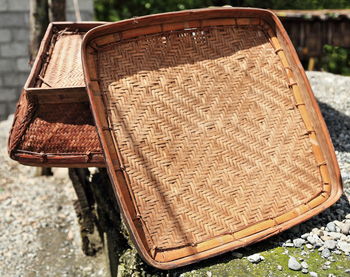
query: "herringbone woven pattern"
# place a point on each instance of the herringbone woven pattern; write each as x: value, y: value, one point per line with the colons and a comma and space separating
x: 64, y: 67
x: 208, y: 132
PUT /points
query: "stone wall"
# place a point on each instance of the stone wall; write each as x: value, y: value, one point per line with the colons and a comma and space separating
x: 14, y: 53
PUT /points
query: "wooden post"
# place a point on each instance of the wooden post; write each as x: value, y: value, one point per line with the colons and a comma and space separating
x: 39, y: 21
x: 42, y: 12
x: 57, y: 10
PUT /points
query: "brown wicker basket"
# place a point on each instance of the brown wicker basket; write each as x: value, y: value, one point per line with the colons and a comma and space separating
x: 53, y: 125
x: 212, y: 136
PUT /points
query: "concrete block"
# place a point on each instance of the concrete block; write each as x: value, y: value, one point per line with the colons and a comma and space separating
x: 8, y: 94
x: 14, y: 49
x: 20, y: 34
x: 84, y: 5
x: 18, y: 5
x: 5, y: 35
x: 3, y: 111
x: 14, y: 79
x: 22, y: 64
x: 13, y: 19
x: 11, y: 106
x: 85, y: 16
x: 3, y: 5
x: 7, y: 65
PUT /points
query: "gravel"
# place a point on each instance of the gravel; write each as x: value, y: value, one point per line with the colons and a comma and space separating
x: 39, y: 233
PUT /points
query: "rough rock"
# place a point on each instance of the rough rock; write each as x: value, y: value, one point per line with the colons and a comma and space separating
x: 330, y: 244
x: 326, y: 253
x: 293, y: 264
x: 344, y: 246
x: 298, y: 242
x: 255, y: 258
x: 304, y: 265
x: 345, y: 228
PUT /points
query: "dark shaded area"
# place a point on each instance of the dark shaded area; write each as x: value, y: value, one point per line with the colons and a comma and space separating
x: 338, y: 125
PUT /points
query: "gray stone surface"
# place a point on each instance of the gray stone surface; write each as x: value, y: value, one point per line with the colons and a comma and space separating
x: 14, y: 40
x: 5, y: 35
x: 293, y: 264
x: 3, y: 5
x: 304, y: 265
x: 23, y: 64
x: 298, y: 242
x: 330, y: 244
x: 255, y: 258
x: 14, y: 79
x: 344, y: 246
x: 346, y: 228
x: 330, y: 227
x: 8, y: 94
x: 325, y: 253
x: 14, y: 49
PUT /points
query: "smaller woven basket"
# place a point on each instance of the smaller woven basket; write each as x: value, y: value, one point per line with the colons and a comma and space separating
x: 212, y: 136
x: 53, y: 125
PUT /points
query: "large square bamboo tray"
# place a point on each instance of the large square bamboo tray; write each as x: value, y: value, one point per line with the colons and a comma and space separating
x: 212, y: 136
x: 53, y: 125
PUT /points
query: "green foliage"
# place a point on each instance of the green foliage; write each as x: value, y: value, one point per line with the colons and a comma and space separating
x: 336, y: 60
x: 113, y: 10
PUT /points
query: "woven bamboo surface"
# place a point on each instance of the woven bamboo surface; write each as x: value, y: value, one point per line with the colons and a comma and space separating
x: 207, y: 131
x: 64, y: 128
x: 64, y: 68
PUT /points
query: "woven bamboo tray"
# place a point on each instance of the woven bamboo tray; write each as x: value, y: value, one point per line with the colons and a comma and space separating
x: 213, y: 138
x: 53, y: 125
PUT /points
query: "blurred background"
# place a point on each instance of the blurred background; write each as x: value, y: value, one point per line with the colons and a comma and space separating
x: 319, y: 30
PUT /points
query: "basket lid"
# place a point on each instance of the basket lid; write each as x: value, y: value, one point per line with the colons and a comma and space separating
x: 212, y: 136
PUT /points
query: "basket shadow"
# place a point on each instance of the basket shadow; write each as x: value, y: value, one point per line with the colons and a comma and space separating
x: 338, y: 126
x: 275, y: 241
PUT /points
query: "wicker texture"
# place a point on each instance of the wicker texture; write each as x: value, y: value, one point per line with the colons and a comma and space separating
x: 207, y: 131
x: 53, y: 123
x: 64, y: 128
x: 64, y: 68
